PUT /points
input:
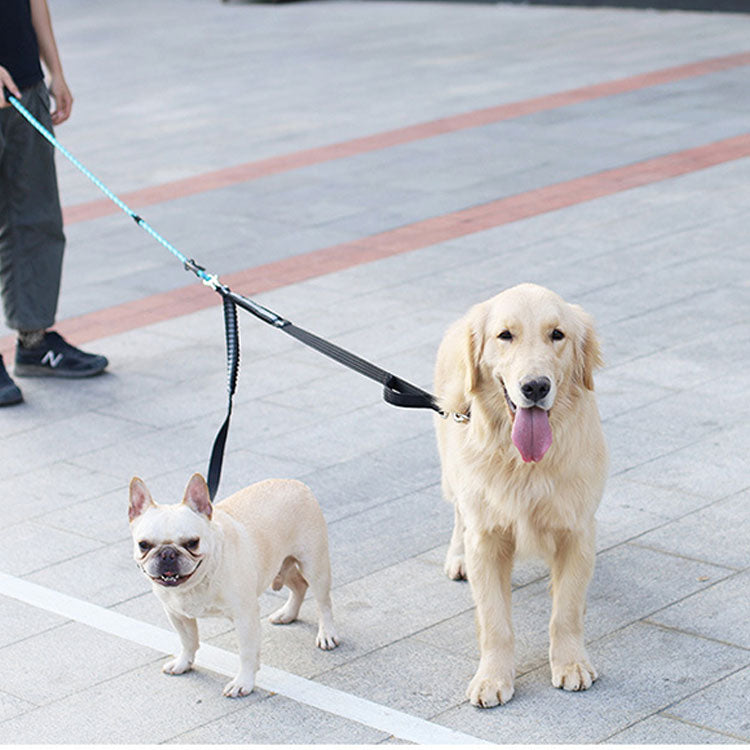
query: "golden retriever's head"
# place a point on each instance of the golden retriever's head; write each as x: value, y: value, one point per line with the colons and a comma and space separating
x: 534, y: 349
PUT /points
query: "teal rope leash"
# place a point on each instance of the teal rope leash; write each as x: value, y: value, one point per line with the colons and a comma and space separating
x: 396, y: 391
x: 230, y: 311
x: 207, y: 278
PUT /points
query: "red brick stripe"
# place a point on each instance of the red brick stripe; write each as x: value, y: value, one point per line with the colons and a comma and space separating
x: 253, y: 170
x: 168, y: 305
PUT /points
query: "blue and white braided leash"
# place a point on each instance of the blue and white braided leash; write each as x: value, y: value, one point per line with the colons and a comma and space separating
x: 207, y: 278
x: 396, y: 391
x: 230, y: 313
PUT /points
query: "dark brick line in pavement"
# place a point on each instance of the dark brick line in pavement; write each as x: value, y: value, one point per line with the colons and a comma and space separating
x: 421, y: 234
x: 229, y: 176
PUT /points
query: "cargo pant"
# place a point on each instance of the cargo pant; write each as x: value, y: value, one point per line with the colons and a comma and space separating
x: 31, y: 235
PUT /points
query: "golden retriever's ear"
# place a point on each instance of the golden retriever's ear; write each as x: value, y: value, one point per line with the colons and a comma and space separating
x: 471, y: 346
x: 457, y: 366
x: 588, y: 351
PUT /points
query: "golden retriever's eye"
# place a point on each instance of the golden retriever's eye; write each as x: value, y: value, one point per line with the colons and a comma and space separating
x: 505, y: 336
x: 145, y: 546
x: 557, y: 335
x: 192, y: 544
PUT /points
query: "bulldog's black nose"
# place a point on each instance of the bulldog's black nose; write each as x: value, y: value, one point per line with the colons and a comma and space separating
x: 168, y: 554
x: 535, y: 390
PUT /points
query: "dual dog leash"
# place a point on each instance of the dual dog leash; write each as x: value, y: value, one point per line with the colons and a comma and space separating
x: 396, y: 391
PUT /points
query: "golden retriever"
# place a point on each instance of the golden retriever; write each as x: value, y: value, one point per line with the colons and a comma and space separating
x: 524, y: 462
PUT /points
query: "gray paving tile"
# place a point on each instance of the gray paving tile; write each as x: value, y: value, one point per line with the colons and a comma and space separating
x: 40, y: 446
x: 408, y: 675
x: 346, y: 436
x: 279, y: 720
x: 412, y: 524
x: 716, y: 534
x: 629, y: 509
x: 61, y: 661
x: 378, y: 609
x: 351, y: 487
x: 104, y: 576
x: 707, y: 468
x: 21, y: 621
x: 11, y: 706
x: 717, y: 612
x: 103, y: 518
x: 104, y: 713
x: 33, y: 493
x: 661, y: 267
x: 722, y: 706
x: 663, y: 730
x: 628, y: 585
x: 31, y: 546
x: 644, y: 669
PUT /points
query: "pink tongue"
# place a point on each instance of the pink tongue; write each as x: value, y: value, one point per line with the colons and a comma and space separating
x: 531, y: 433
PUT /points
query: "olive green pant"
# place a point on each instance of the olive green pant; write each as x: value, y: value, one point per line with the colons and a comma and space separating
x: 31, y: 235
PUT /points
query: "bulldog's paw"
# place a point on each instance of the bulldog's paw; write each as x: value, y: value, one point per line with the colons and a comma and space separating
x: 574, y: 676
x: 487, y: 690
x: 178, y: 665
x: 240, y: 686
x: 282, y: 616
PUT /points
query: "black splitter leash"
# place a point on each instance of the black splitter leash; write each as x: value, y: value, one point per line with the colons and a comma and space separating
x: 396, y: 391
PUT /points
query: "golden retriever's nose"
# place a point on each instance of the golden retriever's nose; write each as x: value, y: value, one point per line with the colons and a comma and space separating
x: 535, y: 390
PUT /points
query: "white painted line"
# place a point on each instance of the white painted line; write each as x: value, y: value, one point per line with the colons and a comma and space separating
x: 392, y: 722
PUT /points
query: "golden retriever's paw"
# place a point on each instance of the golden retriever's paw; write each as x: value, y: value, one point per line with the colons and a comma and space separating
x: 455, y: 567
x: 486, y: 692
x: 575, y: 676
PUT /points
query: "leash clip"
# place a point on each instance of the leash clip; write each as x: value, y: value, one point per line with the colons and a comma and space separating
x: 209, y: 279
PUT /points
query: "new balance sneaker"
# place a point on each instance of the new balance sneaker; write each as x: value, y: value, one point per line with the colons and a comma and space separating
x: 10, y: 393
x: 56, y: 357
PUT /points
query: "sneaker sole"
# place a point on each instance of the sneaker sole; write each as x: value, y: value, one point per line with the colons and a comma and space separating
x: 40, y: 371
x: 13, y: 400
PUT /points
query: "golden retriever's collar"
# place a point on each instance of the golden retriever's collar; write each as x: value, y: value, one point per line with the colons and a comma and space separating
x: 458, y: 416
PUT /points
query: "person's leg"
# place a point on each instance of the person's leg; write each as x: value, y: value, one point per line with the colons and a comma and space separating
x: 31, y: 235
x: 32, y: 245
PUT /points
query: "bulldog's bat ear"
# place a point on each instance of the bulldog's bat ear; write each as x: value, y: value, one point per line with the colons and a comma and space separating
x: 140, y: 499
x: 197, y: 497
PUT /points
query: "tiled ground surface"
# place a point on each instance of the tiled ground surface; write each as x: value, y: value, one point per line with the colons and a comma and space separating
x: 664, y: 268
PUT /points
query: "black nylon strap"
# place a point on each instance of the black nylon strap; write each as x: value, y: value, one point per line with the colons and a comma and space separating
x: 395, y: 390
x: 232, y: 335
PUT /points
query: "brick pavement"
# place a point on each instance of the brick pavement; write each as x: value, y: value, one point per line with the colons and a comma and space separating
x: 368, y: 151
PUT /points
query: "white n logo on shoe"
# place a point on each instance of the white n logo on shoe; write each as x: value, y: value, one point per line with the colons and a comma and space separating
x: 52, y: 359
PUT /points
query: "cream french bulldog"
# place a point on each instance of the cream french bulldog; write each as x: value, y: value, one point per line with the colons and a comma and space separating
x: 215, y: 561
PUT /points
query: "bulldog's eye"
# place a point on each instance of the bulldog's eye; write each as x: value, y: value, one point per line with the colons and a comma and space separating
x: 505, y: 336
x: 557, y: 335
x: 192, y: 544
x: 145, y: 546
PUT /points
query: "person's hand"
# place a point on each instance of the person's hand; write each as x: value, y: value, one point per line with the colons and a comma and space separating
x: 6, y: 81
x: 63, y: 99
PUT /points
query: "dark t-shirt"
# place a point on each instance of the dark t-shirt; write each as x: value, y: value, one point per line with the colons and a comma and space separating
x: 19, y: 50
